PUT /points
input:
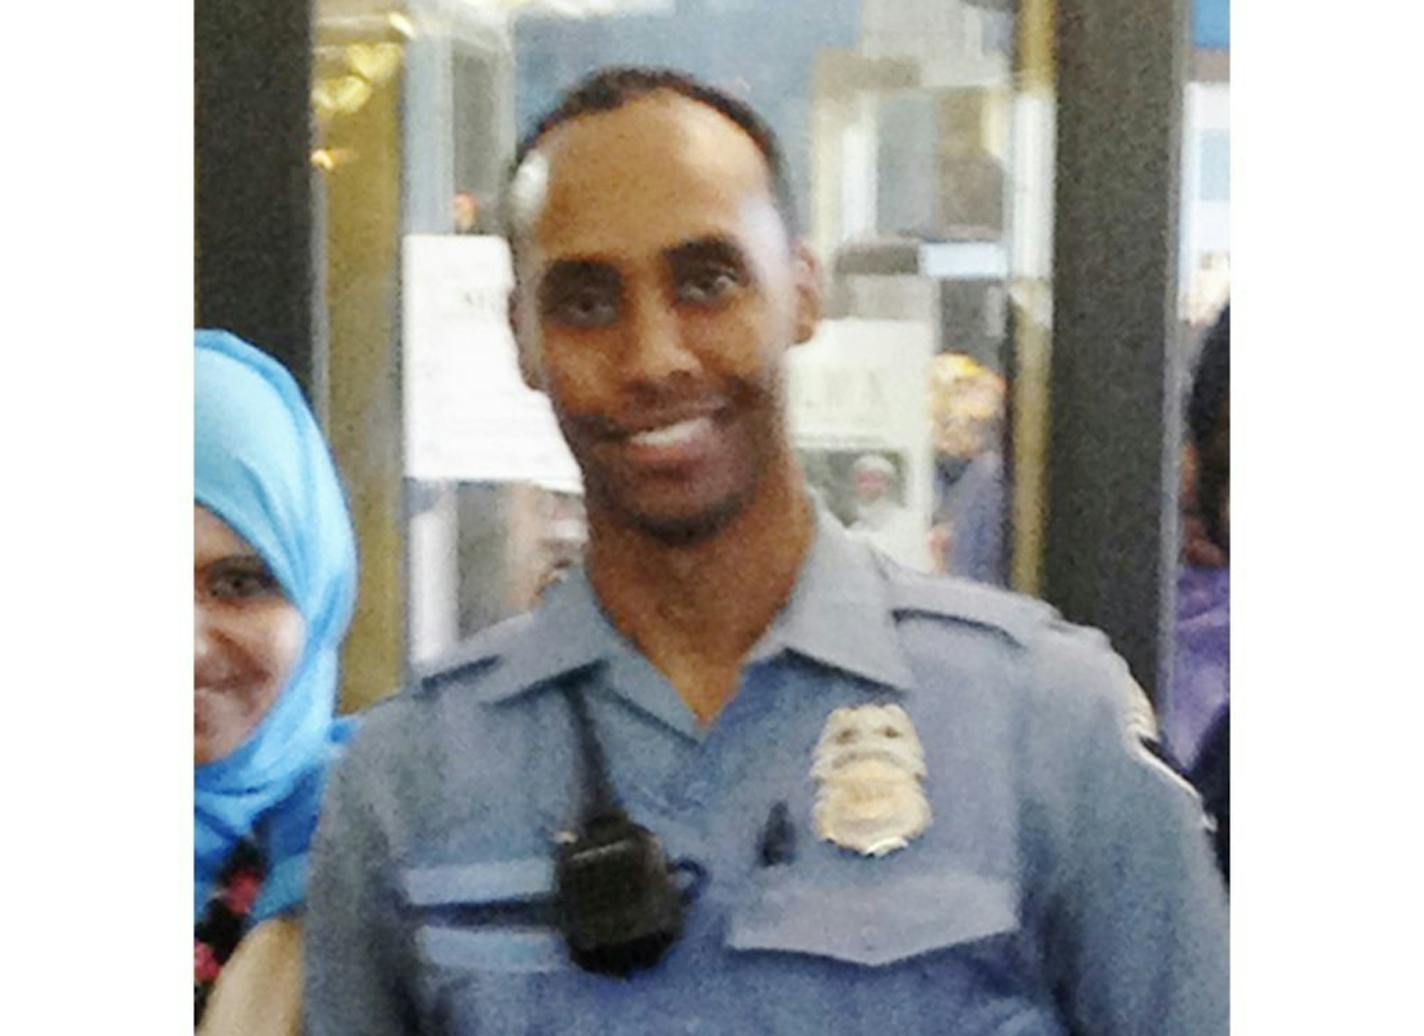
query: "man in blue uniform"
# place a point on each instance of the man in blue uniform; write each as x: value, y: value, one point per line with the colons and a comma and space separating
x: 893, y: 803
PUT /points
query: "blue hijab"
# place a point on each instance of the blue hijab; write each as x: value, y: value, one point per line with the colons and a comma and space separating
x: 262, y: 466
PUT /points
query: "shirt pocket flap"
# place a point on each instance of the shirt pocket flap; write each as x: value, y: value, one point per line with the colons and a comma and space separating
x: 485, y: 917
x: 507, y: 951
x: 478, y: 884
x: 876, y: 924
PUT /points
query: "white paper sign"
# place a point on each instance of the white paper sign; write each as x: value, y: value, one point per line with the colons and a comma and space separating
x: 468, y: 414
x: 860, y: 417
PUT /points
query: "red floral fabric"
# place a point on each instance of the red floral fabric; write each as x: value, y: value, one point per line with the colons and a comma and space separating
x: 225, y: 920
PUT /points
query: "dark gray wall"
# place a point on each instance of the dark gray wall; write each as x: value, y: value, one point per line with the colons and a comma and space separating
x: 252, y: 178
x: 1110, y: 538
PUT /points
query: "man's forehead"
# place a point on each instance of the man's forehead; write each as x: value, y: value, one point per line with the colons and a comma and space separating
x: 657, y: 159
x: 660, y: 121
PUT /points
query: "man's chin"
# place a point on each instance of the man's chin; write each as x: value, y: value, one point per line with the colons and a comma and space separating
x: 686, y: 529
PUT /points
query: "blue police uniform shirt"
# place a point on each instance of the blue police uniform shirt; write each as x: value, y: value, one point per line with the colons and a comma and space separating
x: 1064, y: 885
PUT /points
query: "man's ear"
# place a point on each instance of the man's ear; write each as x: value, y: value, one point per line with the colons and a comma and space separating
x: 530, y: 369
x: 807, y: 285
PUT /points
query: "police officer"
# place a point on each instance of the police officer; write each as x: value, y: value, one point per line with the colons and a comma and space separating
x: 881, y: 801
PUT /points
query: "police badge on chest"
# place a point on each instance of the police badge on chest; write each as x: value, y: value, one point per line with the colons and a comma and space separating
x: 869, y: 765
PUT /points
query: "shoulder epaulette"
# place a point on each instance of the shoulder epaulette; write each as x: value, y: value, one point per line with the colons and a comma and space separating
x: 1016, y: 616
x: 480, y: 651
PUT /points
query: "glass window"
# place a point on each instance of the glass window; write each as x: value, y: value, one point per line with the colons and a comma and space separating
x: 918, y: 138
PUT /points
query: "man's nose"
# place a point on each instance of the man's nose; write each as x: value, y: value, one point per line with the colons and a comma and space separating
x: 655, y: 350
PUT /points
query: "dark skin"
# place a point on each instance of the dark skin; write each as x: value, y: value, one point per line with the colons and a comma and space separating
x: 699, y: 641
x: 656, y: 295
x: 1198, y: 547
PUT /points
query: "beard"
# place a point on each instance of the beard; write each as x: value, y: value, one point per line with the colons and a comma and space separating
x: 694, y: 506
x: 673, y: 525
x: 690, y: 530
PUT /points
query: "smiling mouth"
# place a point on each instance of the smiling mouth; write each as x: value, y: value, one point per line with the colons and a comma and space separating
x: 680, y: 433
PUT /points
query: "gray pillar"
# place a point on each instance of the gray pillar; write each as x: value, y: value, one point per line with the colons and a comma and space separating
x: 254, y: 268
x: 1110, y: 535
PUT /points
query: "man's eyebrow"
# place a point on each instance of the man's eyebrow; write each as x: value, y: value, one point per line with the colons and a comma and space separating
x: 564, y: 271
x: 705, y: 249
x: 567, y: 277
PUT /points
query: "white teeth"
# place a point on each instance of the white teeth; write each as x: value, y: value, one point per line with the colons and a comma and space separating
x: 673, y: 434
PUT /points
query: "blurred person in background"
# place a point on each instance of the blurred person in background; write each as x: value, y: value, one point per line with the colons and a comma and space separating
x: 967, y: 401
x: 274, y: 574
x: 1196, y: 723
x: 880, y: 515
x: 562, y: 540
x: 465, y: 209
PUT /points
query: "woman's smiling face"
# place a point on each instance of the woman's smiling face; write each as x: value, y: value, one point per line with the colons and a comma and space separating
x: 247, y: 638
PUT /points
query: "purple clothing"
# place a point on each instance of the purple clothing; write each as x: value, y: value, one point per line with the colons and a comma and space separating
x: 1201, y: 670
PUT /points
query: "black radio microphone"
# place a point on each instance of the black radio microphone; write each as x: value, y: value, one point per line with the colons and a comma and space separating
x: 619, y: 908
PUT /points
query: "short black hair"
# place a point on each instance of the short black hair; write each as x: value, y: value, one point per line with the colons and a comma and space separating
x: 1211, y: 386
x: 1210, y: 434
x: 611, y: 88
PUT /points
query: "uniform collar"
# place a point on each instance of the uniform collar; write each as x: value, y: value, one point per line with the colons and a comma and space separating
x: 839, y: 615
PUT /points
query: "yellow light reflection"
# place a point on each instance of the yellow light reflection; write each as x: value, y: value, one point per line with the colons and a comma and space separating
x: 401, y: 24
x: 374, y: 62
x: 329, y: 158
x: 340, y: 95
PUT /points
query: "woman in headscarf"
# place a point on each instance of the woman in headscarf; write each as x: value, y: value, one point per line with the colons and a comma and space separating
x: 274, y: 584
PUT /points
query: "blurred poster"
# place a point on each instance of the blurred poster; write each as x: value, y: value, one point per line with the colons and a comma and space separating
x: 468, y: 414
x: 860, y: 417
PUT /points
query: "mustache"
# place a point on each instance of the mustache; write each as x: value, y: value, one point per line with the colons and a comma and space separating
x: 657, y: 409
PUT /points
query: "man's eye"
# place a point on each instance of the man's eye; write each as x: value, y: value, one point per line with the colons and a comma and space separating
x: 708, y: 285
x: 585, y: 307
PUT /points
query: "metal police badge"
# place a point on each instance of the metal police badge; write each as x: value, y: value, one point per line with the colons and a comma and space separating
x: 868, y: 765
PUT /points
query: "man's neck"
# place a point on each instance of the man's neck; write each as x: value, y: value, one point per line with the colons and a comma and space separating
x: 695, y: 610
